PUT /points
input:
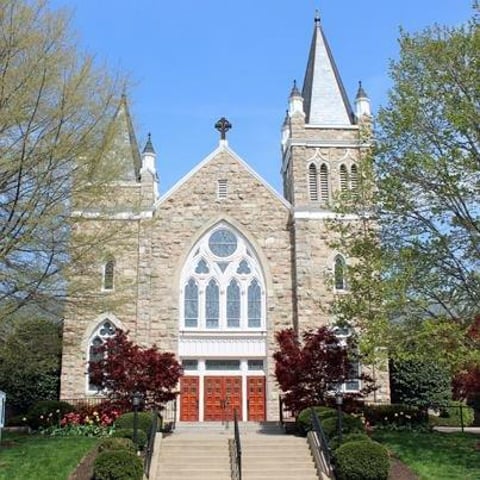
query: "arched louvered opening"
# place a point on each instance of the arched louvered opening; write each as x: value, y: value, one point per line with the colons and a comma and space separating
x: 354, y: 179
x: 343, y: 178
x: 313, y: 182
x: 324, y: 190
x: 339, y: 273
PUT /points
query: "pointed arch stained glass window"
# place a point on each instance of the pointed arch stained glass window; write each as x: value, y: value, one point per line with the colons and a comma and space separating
x: 313, y: 182
x: 105, y: 330
x: 339, y: 273
x: 233, y: 305
x: 254, y: 305
x: 108, y: 272
x: 343, y: 178
x: 212, y: 305
x: 191, y: 304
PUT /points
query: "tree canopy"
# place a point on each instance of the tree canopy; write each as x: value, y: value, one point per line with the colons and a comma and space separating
x: 56, y: 110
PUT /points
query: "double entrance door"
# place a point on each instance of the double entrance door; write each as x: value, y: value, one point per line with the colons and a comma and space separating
x: 222, y: 395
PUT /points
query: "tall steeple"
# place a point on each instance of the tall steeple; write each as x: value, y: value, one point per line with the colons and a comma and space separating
x: 325, y: 99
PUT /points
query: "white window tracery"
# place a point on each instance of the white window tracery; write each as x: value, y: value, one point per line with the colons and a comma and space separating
x: 222, y: 285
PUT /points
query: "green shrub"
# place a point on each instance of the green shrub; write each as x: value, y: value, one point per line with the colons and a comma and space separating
x: 128, y: 433
x: 47, y: 413
x: 304, y: 419
x: 117, y: 465
x: 350, y: 424
x: 450, y: 416
x: 116, y: 443
x: 126, y: 421
x: 349, y: 437
x: 362, y: 460
x: 16, y: 421
x: 395, y: 414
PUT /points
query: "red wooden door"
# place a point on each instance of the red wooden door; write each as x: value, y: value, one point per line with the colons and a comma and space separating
x: 222, y: 396
x: 256, y: 399
x: 233, y: 397
x: 214, y: 399
x: 189, y: 399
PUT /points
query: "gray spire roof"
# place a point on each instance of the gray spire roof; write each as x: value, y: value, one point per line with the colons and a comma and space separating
x: 361, y: 93
x: 149, y: 146
x: 325, y: 99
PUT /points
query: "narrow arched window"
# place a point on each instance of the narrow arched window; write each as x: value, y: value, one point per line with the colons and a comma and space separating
x: 191, y: 304
x: 254, y: 305
x: 212, y: 305
x: 354, y: 179
x: 233, y: 305
x: 313, y: 182
x: 324, y: 183
x: 102, y: 333
x: 339, y: 273
x: 343, y: 178
x: 108, y: 274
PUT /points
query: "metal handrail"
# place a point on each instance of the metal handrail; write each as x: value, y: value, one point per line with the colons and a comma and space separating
x: 323, y: 447
x: 151, y: 443
x: 238, y: 445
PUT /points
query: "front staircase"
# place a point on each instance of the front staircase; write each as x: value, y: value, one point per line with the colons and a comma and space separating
x: 199, y: 451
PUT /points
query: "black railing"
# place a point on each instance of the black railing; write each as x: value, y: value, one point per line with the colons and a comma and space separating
x: 150, y: 444
x: 238, y: 446
x: 322, y: 443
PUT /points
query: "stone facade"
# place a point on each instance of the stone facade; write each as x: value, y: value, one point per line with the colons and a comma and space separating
x: 152, y: 238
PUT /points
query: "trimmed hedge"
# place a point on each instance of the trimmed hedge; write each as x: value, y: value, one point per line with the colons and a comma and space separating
x: 349, y: 437
x: 129, y: 433
x: 46, y: 413
x: 304, y: 419
x: 117, y: 465
x: 117, y: 443
x: 126, y: 421
x: 350, y: 424
x: 362, y: 460
x: 394, y: 414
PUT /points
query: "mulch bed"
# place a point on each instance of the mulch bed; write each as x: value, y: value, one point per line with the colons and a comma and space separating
x: 400, y: 471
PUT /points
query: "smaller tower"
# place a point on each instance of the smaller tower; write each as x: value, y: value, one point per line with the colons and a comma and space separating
x: 148, y: 173
x: 362, y: 104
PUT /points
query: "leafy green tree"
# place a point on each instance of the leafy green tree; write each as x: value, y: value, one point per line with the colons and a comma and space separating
x: 420, y: 384
x: 30, y: 352
x: 428, y: 169
x: 56, y: 110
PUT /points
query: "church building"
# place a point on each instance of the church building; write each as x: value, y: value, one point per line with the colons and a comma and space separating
x: 214, y: 267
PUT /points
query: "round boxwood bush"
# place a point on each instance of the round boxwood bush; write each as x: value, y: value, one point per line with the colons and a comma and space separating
x: 304, y: 419
x: 116, y: 443
x: 362, y: 460
x: 128, y: 433
x: 349, y: 437
x: 46, y: 413
x: 350, y: 424
x: 117, y: 465
x: 126, y: 421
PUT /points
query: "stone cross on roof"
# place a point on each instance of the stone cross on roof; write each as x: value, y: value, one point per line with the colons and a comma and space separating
x: 223, y: 126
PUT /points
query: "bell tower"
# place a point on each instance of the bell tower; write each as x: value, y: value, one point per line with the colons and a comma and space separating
x: 322, y: 143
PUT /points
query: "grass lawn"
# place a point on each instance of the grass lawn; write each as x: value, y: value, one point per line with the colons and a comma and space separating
x: 36, y: 457
x: 436, y: 456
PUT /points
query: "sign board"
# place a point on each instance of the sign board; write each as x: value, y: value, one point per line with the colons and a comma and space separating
x: 3, y: 400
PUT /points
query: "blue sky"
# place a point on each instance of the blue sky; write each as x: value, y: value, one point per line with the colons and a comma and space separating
x: 193, y: 61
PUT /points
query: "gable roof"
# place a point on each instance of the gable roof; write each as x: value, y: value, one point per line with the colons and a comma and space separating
x: 222, y: 147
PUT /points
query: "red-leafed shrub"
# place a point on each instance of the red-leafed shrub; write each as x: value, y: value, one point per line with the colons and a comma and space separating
x: 122, y: 368
x: 309, y: 369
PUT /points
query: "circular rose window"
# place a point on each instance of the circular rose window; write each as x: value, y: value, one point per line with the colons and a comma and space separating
x: 222, y: 243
